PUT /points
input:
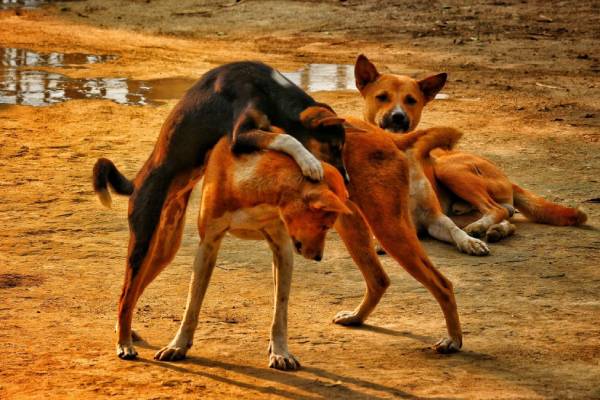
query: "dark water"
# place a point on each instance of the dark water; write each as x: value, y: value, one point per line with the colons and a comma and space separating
x: 22, y: 83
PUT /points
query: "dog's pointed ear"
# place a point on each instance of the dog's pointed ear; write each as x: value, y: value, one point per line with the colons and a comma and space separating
x: 364, y: 72
x: 316, y: 116
x: 431, y: 85
x: 330, y: 202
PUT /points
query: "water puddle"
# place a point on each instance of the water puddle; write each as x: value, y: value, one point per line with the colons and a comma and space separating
x: 6, y: 4
x: 324, y: 77
x: 21, y: 83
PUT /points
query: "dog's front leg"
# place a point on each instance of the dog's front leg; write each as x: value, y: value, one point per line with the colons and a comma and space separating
x: 282, y: 142
x: 204, y: 264
x: 442, y: 228
x: 283, y: 264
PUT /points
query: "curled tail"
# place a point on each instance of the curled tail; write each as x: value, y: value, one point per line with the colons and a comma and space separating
x: 106, y: 173
x: 425, y: 140
x: 543, y: 211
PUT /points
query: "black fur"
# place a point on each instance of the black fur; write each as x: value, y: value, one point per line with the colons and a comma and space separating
x: 106, y: 173
x: 208, y: 111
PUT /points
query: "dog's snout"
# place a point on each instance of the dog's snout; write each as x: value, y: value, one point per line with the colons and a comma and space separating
x: 318, y: 257
x: 396, y: 121
x: 398, y: 117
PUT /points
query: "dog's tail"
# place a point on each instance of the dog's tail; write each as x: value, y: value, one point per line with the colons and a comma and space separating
x: 106, y: 173
x: 436, y: 138
x: 425, y: 140
x: 543, y: 211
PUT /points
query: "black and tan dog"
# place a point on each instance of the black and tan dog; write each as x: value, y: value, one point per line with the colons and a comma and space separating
x: 226, y: 100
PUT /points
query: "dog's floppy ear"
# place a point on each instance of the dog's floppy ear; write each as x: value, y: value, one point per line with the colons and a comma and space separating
x: 430, y: 86
x: 317, y: 116
x: 328, y: 201
x: 364, y: 72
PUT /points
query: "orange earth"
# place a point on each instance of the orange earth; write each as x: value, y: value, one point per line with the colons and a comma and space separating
x: 524, y: 87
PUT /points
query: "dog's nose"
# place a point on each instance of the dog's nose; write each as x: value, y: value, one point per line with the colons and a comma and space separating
x: 396, y: 121
x: 318, y: 257
x: 398, y: 118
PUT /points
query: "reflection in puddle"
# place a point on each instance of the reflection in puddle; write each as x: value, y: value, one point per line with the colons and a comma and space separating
x: 20, y: 83
x: 5, y: 4
x: 324, y: 77
x: 41, y: 88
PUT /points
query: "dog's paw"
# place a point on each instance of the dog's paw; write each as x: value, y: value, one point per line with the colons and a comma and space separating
x: 311, y: 167
x: 126, y: 352
x: 497, y: 232
x: 476, y: 230
x: 284, y: 362
x: 169, y: 353
x: 474, y: 247
x: 447, y: 346
x: 347, y: 318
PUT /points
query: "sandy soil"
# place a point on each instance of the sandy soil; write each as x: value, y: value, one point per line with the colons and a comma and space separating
x: 524, y: 86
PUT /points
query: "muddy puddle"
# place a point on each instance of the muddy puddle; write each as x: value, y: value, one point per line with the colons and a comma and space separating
x: 21, y: 83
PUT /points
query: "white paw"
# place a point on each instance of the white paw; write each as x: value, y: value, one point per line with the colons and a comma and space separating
x: 497, y: 232
x: 447, y: 346
x: 347, y: 318
x: 284, y: 362
x: 311, y: 167
x: 476, y: 229
x: 126, y: 352
x: 171, y: 353
x: 474, y: 247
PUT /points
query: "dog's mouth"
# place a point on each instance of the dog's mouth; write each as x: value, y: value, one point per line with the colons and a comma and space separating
x: 393, y: 128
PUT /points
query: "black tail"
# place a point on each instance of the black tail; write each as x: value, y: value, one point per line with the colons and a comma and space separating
x: 106, y: 173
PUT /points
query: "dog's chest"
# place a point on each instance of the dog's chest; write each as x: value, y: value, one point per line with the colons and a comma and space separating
x: 246, y: 222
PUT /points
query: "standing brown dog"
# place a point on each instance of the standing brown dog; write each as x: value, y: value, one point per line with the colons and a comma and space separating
x: 395, y: 103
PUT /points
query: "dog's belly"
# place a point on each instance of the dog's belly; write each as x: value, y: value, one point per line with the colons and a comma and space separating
x: 247, y: 223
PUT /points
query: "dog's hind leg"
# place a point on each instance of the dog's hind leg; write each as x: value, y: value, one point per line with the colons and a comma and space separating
x: 283, y: 264
x: 204, y: 264
x: 157, y: 245
x: 356, y: 235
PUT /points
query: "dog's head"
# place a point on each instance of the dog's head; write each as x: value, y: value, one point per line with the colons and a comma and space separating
x: 327, y: 135
x: 394, y: 102
x: 309, y: 217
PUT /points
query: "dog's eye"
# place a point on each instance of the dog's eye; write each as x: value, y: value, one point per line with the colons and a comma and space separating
x: 410, y: 100
x: 324, y: 227
x: 383, y: 97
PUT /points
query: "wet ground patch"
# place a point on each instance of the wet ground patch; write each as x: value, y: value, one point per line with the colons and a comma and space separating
x: 22, y: 83
x: 8, y: 281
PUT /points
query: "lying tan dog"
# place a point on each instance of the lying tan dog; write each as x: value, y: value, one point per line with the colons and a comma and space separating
x: 261, y: 195
x: 395, y: 103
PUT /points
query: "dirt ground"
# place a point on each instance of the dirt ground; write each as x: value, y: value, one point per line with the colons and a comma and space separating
x: 524, y: 86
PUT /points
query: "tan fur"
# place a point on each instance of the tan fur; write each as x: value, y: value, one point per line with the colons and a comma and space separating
x: 272, y: 199
x: 469, y: 177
